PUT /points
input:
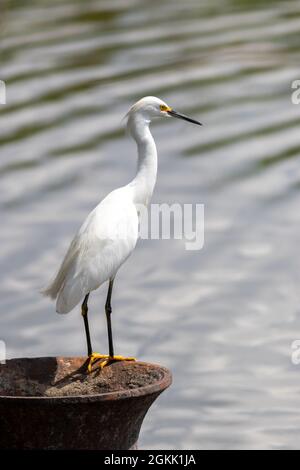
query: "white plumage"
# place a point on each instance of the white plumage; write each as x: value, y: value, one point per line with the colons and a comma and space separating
x: 97, y: 250
x: 110, y: 232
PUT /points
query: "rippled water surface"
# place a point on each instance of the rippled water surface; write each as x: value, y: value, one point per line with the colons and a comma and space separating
x: 222, y: 318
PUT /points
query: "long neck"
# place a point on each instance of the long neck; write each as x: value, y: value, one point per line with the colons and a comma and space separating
x: 145, y: 179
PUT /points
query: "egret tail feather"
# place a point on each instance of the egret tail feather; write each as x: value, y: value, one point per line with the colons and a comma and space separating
x: 53, y: 289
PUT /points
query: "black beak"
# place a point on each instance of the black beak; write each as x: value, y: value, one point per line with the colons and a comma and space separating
x: 182, y: 116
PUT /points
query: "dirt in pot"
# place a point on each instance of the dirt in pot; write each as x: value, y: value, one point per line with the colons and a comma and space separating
x: 56, y: 377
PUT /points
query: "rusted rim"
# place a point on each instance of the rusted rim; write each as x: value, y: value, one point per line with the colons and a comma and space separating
x: 150, y: 389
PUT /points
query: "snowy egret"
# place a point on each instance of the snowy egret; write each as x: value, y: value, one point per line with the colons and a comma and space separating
x: 110, y: 232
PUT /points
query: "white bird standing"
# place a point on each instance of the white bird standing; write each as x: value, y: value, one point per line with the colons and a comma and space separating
x: 110, y: 232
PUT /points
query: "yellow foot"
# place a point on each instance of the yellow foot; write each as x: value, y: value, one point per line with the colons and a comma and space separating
x: 106, y: 360
x: 110, y: 360
x: 95, y: 357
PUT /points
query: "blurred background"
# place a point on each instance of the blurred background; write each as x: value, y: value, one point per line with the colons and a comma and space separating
x: 223, y: 318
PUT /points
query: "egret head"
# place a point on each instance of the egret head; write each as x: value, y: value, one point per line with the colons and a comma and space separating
x: 150, y: 107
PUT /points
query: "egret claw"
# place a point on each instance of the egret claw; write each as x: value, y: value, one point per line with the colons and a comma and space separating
x: 110, y: 360
x: 95, y: 357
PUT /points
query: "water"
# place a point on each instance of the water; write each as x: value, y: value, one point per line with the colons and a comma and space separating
x: 223, y: 318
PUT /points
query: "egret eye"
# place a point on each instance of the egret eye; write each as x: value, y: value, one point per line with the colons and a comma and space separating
x: 163, y: 107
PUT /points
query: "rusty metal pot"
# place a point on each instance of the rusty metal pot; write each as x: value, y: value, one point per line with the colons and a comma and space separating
x: 109, y: 421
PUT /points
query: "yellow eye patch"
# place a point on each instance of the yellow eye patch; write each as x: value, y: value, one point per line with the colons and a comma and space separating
x: 163, y: 107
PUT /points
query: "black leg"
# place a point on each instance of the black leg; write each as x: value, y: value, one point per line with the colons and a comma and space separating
x: 108, y: 318
x: 84, y: 313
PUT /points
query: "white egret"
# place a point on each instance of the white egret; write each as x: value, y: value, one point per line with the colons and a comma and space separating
x: 110, y: 232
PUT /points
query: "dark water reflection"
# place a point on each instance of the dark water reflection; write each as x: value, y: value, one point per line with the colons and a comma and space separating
x: 223, y: 318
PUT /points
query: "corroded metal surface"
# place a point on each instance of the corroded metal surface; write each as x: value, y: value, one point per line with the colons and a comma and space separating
x: 110, y: 420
